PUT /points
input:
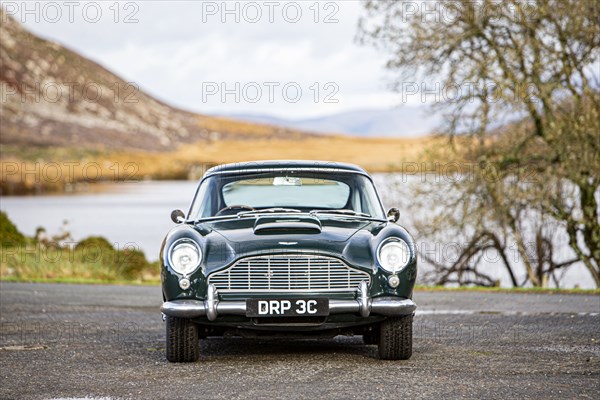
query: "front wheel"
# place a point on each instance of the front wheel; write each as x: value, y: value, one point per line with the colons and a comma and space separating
x: 182, y: 340
x: 395, y: 338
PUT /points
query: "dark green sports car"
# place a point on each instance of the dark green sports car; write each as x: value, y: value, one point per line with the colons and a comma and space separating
x: 288, y: 249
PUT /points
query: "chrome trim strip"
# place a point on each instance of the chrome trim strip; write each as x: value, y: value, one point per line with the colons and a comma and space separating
x: 243, y: 171
x: 286, y: 291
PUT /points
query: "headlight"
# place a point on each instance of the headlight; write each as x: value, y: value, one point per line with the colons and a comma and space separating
x: 185, y: 256
x: 393, y: 255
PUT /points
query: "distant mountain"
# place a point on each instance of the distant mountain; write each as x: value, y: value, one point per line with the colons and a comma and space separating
x: 403, y: 121
x: 52, y: 96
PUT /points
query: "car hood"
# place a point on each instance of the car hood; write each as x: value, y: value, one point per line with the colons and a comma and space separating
x: 302, y: 228
x: 228, y: 240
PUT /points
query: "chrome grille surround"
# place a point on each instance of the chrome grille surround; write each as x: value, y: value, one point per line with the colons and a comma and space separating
x: 292, y: 273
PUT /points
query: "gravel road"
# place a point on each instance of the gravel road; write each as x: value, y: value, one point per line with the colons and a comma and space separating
x: 92, y: 341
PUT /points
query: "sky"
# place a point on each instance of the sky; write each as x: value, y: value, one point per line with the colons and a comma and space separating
x: 288, y: 59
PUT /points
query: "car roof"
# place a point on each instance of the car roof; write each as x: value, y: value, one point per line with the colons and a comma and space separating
x: 252, y: 166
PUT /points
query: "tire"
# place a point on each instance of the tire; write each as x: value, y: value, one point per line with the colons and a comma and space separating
x: 182, y: 340
x: 395, y: 338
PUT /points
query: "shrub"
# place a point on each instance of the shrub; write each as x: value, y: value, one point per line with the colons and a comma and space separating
x: 9, y: 234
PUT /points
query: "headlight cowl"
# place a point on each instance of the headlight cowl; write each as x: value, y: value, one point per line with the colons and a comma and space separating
x: 393, y: 255
x: 185, y: 256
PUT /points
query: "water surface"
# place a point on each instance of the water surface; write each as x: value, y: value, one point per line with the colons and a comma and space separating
x: 125, y: 213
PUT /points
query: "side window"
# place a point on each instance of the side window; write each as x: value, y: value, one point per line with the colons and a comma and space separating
x: 367, y: 203
x: 204, y: 201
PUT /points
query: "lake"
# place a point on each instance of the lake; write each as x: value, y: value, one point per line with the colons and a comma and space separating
x: 138, y: 214
x: 135, y: 213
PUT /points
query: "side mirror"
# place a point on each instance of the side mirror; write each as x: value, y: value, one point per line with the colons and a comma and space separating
x: 393, y: 214
x: 177, y: 216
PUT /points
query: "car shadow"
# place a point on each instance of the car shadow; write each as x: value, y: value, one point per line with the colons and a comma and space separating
x: 214, y: 348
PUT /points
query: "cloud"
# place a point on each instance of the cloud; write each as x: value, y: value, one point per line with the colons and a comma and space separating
x: 176, y: 48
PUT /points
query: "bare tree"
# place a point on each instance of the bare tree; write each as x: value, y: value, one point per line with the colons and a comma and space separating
x: 525, y: 108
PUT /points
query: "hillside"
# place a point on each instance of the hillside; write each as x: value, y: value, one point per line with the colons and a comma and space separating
x: 50, y: 116
x: 52, y: 96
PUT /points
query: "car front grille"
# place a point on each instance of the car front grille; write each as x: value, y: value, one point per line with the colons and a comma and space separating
x: 288, y: 273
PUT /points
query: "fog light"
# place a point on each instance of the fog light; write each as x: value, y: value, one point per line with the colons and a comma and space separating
x: 184, y: 283
x: 393, y: 281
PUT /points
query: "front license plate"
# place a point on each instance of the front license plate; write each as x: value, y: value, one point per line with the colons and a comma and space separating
x: 287, y: 308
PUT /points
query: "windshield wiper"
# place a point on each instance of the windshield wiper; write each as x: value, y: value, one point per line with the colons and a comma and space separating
x: 343, y: 212
x: 268, y: 210
x: 208, y: 219
x: 246, y: 213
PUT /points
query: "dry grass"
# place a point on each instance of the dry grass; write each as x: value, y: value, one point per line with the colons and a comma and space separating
x: 250, y: 130
x: 55, y: 169
x: 376, y: 155
x: 36, y: 262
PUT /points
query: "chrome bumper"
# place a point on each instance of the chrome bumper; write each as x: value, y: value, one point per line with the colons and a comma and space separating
x: 212, y: 307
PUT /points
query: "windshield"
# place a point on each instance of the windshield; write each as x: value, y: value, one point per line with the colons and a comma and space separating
x: 303, y: 191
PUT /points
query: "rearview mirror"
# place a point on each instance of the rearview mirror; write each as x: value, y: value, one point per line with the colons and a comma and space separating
x: 177, y: 216
x: 393, y: 214
x: 287, y: 181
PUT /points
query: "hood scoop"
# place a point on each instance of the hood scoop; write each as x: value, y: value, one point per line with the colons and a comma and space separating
x: 281, y: 225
